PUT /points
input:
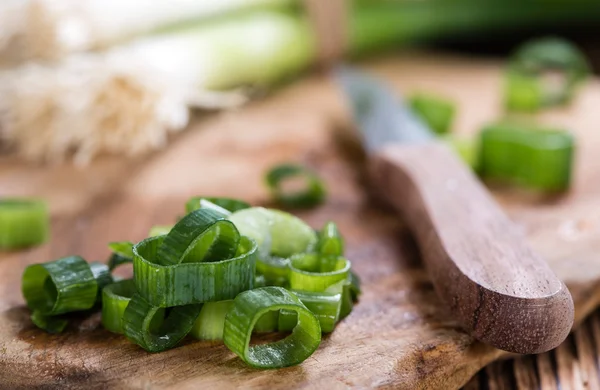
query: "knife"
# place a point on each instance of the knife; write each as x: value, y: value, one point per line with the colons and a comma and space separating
x: 500, y: 291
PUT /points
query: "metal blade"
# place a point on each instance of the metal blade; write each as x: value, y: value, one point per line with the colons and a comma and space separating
x: 380, y: 113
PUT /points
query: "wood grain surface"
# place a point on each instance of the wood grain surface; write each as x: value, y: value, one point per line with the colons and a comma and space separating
x: 400, y: 335
x: 501, y: 291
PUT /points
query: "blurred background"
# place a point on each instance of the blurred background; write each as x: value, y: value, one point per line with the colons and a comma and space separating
x: 115, y: 112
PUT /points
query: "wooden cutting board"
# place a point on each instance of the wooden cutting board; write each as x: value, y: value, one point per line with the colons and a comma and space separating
x: 399, y: 335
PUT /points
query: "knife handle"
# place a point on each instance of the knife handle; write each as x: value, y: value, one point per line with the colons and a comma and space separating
x: 498, y: 288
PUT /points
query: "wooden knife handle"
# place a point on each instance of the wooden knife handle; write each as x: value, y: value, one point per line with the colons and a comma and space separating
x: 499, y: 289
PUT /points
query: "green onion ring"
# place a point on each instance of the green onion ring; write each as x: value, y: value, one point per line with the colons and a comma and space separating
x: 312, y: 272
x: 228, y: 204
x: 325, y: 306
x: 60, y: 286
x: 526, y: 90
x: 159, y: 230
x: 189, y: 283
x: 115, y: 298
x: 202, y: 235
x: 122, y: 253
x: 251, y: 305
x: 102, y: 275
x: 23, y: 223
x: 50, y: 324
x: 151, y: 329
x: 209, y: 324
x: 314, y: 193
x: 330, y: 242
x: 437, y: 112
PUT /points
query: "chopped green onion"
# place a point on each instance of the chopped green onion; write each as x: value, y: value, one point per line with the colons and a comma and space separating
x: 255, y: 223
x: 115, y: 298
x: 58, y: 287
x: 274, y: 270
x: 228, y: 204
x: 122, y: 253
x: 187, y: 283
x: 324, y: 305
x: 290, y: 234
x: 313, y: 194
x: 528, y: 87
x: 251, y: 305
x: 202, y: 235
x: 209, y: 324
x: 157, y: 329
x: 102, y: 275
x: 23, y: 223
x: 436, y: 112
x: 312, y: 272
x: 467, y: 148
x: 279, y: 235
x: 267, y: 323
x: 50, y: 324
x: 355, y: 290
x: 330, y: 242
x: 159, y: 230
x: 538, y: 158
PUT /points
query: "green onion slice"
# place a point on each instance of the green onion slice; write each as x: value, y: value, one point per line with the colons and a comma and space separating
x: 159, y: 230
x: 225, y: 205
x: 324, y: 305
x: 102, y: 275
x: 60, y: 286
x: 330, y: 242
x: 209, y: 324
x: 122, y: 253
x: 157, y: 329
x: 50, y: 324
x: 355, y: 290
x: 115, y: 298
x: 274, y: 270
x: 188, y: 283
x: 202, y: 235
x: 313, y: 194
x: 23, y: 223
x: 529, y: 156
x: 528, y: 85
x: 251, y: 305
x: 437, y: 112
x: 312, y: 272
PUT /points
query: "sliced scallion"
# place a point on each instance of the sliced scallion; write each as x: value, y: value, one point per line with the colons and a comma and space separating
x: 312, y: 272
x: 313, y: 194
x: 330, y: 242
x: 115, y: 298
x: 157, y: 329
x: 437, y: 112
x: 324, y: 305
x: 122, y: 253
x: 544, y: 72
x: 23, y: 223
x: 228, y: 204
x: 61, y: 286
x: 209, y: 324
x: 187, y: 283
x: 251, y: 305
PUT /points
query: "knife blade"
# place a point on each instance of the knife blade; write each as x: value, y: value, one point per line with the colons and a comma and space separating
x: 500, y: 291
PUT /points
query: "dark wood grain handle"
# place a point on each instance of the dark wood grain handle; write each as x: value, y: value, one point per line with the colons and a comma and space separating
x: 500, y: 290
